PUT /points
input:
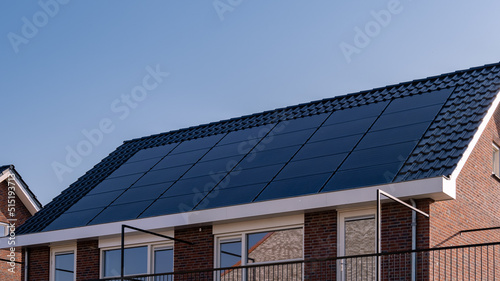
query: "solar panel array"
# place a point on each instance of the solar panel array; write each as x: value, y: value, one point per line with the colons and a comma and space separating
x: 355, y: 147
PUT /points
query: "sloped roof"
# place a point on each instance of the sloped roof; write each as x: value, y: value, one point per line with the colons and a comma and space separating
x: 442, y: 114
x: 3, y: 168
x: 26, y: 188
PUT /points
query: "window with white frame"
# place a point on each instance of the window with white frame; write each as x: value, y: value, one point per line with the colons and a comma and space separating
x: 496, y: 160
x: 260, y: 247
x: 141, y: 259
x: 4, y: 229
x: 63, y: 263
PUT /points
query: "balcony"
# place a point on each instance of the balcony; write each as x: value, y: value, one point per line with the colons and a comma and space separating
x: 468, y: 262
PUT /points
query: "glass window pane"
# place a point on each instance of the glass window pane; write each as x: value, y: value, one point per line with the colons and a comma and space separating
x: 164, y: 260
x: 230, y: 253
x: 359, y: 240
x: 135, y: 261
x: 65, y: 267
x: 274, y: 245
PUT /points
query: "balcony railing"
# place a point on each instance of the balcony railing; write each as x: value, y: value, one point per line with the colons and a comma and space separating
x: 468, y: 262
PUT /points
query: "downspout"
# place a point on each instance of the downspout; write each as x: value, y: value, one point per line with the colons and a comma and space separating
x: 413, y: 241
x: 26, y: 263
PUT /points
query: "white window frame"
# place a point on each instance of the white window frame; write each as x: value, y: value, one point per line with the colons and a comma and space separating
x: 342, y: 216
x: 242, y: 236
x: 496, y: 161
x: 150, y: 255
x: 61, y: 250
x: 155, y: 247
x: 6, y: 231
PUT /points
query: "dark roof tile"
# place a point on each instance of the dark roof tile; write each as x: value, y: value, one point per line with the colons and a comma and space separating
x: 437, y: 153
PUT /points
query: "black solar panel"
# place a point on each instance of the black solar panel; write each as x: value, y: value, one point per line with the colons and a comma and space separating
x: 231, y: 196
x: 356, y: 113
x: 121, y: 212
x: 155, y: 152
x: 119, y: 183
x: 293, y: 187
x: 99, y: 200
x: 74, y: 219
x: 366, y: 176
x: 148, y: 192
x: 359, y: 146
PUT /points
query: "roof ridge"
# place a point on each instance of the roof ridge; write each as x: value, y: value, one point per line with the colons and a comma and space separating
x: 314, y: 102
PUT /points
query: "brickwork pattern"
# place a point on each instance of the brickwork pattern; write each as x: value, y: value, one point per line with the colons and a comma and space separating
x: 38, y: 263
x: 21, y: 214
x: 477, y: 204
x: 196, y: 256
x: 87, y: 260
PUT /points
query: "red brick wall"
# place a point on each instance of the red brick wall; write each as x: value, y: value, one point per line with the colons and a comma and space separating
x: 197, y: 256
x: 38, y: 263
x: 320, y: 241
x: 21, y: 213
x: 477, y: 204
x: 87, y: 260
x: 320, y: 234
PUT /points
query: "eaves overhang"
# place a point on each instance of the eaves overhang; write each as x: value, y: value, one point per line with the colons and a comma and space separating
x: 438, y: 188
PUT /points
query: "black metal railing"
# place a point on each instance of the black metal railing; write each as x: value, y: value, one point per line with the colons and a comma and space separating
x: 468, y: 262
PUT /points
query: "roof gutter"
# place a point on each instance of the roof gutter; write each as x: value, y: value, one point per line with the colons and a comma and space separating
x: 438, y: 188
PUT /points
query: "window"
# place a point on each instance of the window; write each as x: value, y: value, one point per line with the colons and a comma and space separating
x: 357, y: 236
x: 163, y: 260
x: 63, y: 267
x: 4, y: 229
x: 496, y: 160
x: 259, y: 248
x: 136, y: 260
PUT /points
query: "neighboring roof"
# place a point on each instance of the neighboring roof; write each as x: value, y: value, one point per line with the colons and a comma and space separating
x: 430, y: 122
x: 3, y: 168
x: 29, y: 199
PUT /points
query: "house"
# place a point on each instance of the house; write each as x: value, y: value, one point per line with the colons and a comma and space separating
x: 295, y: 187
x: 17, y: 204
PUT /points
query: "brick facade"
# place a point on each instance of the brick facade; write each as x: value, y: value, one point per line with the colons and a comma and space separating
x: 320, y: 241
x: 200, y: 255
x: 477, y: 204
x: 87, y: 260
x: 21, y: 214
x: 38, y: 263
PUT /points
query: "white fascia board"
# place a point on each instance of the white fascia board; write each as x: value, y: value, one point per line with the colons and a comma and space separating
x: 438, y: 188
x: 21, y: 191
x: 477, y: 136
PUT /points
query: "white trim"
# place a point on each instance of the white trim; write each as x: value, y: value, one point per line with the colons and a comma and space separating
x: 438, y: 188
x: 24, y: 196
x: 150, y: 248
x: 242, y: 237
x: 475, y: 139
x: 159, y: 247
x: 135, y: 238
x: 62, y: 249
x: 257, y: 225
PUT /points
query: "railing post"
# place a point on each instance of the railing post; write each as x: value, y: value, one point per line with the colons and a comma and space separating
x: 379, y: 244
x: 122, y: 254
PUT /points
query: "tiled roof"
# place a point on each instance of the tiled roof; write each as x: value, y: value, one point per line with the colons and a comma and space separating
x: 436, y: 154
x: 3, y: 168
x: 28, y: 190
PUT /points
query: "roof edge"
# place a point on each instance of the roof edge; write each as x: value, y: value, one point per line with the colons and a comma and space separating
x: 363, y: 92
x: 475, y: 139
x: 437, y: 188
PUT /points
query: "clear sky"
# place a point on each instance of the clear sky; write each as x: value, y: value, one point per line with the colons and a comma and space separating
x: 77, y: 78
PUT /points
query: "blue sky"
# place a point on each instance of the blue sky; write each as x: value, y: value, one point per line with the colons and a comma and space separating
x: 80, y: 77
